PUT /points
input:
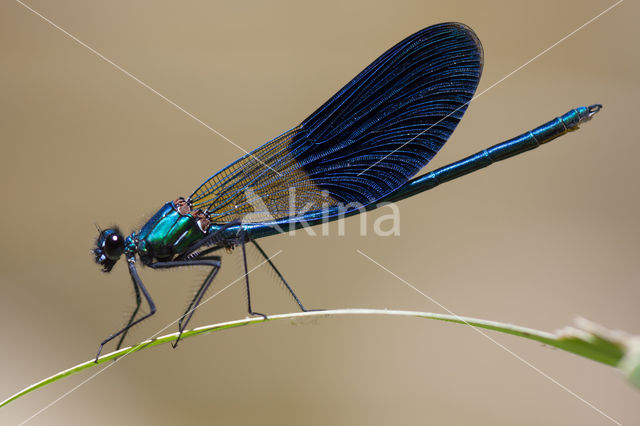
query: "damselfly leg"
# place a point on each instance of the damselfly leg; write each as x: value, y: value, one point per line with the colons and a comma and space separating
x: 293, y: 294
x: 214, y: 262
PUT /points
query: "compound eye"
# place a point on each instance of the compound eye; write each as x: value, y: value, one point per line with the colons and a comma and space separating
x: 113, y: 244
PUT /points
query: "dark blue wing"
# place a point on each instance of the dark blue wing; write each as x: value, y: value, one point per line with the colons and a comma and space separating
x: 363, y: 143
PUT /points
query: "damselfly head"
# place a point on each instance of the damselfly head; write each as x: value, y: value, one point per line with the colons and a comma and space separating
x: 109, y: 248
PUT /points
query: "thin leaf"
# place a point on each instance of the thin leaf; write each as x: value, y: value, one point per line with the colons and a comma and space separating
x: 587, y: 339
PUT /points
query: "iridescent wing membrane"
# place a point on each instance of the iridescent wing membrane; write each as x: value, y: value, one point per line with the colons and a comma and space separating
x: 363, y: 143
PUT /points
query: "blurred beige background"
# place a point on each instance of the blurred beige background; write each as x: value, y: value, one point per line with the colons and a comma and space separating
x: 536, y: 240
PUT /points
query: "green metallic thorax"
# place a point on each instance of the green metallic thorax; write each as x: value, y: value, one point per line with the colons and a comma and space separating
x: 167, y: 234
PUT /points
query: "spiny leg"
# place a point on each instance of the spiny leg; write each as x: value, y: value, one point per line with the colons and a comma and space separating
x: 139, y: 287
x: 293, y: 294
x: 186, y: 317
x: 243, y: 238
x: 214, y: 262
x: 133, y: 315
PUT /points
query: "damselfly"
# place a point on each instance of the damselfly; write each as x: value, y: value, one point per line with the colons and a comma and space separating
x: 356, y: 152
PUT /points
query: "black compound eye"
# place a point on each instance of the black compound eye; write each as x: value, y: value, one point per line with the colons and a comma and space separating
x: 113, y: 244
